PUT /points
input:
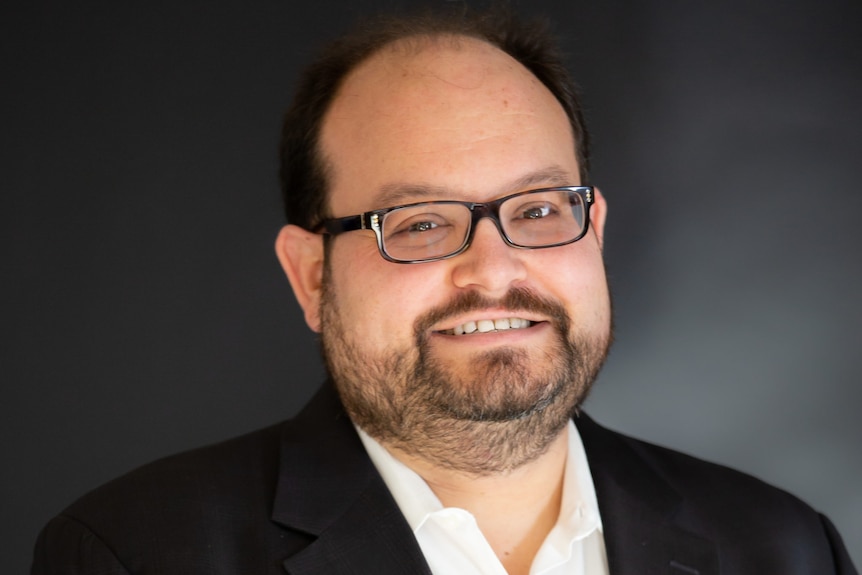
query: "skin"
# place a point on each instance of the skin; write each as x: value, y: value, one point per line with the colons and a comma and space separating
x: 455, y: 119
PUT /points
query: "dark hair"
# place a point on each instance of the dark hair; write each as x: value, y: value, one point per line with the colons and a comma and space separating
x: 303, y: 171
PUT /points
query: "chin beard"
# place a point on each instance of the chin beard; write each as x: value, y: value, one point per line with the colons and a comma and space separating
x: 503, y: 413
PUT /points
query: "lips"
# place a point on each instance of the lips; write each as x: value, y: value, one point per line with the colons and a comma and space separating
x: 489, y: 325
x: 471, y: 313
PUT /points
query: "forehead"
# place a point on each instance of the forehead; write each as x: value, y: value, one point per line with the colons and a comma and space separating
x: 451, y: 114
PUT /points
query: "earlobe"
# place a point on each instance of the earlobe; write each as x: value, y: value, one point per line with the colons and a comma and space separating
x: 598, y: 215
x: 300, y: 253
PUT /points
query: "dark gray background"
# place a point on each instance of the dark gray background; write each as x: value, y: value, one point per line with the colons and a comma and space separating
x: 144, y: 311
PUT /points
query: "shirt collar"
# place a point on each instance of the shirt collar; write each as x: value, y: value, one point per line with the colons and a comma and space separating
x: 579, y: 511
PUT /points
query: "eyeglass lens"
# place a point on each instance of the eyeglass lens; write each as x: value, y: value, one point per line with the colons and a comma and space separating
x: 438, y: 229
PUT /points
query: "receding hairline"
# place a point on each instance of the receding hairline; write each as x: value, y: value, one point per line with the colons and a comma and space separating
x: 418, y: 44
x: 305, y: 170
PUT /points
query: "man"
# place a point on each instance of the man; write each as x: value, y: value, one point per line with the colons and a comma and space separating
x: 445, y: 245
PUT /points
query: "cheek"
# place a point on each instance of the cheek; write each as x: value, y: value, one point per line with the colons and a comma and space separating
x: 578, y: 279
x: 378, y: 299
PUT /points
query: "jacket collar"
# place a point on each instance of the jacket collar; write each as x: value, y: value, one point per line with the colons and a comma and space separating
x: 638, y: 508
x: 329, y: 490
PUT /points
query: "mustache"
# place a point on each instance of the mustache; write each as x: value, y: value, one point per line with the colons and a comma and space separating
x: 516, y: 299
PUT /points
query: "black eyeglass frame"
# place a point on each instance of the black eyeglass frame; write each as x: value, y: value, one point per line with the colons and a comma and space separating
x: 373, y: 221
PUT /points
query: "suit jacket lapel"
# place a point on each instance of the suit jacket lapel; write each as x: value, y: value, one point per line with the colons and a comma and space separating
x: 637, y: 507
x: 329, y: 490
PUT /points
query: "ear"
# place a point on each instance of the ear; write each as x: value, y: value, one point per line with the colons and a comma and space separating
x: 598, y: 215
x: 301, y: 255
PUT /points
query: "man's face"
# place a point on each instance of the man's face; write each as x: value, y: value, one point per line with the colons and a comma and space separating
x: 465, y: 122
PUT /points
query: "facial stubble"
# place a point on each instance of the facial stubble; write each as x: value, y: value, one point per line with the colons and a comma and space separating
x: 500, y: 414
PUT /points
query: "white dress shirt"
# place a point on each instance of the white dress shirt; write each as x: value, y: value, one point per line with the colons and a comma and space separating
x: 450, y: 538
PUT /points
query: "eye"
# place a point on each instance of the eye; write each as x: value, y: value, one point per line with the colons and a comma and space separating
x: 405, y: 223
x: 421, y: 226
x: 537, y: 211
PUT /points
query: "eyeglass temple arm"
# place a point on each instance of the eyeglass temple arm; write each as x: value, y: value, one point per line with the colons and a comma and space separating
x: 348, y: 224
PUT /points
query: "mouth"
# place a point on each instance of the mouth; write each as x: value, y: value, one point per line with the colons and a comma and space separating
x: 488, y: 326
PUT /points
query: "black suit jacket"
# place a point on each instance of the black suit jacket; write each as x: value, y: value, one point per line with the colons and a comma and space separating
x: 303, y: 498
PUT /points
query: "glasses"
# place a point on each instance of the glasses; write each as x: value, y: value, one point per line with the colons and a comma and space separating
x: 431, y: 231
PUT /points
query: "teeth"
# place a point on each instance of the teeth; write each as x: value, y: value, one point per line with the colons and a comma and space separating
x: 486, y: 325
x: 468, y: 327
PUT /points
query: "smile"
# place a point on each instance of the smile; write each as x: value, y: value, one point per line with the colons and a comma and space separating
x: 489, y: 325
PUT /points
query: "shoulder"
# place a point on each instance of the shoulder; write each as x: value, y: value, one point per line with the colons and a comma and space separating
x: 193, y: 500
x: 208, y: 510
x: 620, y: 455
x: 705, y: 484
x: 751, y: 521
x: 240, y: 465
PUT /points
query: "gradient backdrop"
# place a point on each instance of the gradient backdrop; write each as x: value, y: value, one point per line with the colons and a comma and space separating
x: 144, y: 311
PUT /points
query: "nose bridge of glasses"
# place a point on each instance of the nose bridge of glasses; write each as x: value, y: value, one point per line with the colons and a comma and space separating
x: 490, y: 210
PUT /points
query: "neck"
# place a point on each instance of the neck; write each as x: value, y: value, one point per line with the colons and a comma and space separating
x: 515, y: 510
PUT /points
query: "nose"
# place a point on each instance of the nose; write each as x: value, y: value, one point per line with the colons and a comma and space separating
x: 489, y: 265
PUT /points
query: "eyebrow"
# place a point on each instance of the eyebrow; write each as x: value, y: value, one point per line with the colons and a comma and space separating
x: 399, y: 193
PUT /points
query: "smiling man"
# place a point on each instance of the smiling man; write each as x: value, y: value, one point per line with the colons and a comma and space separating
x: 466, y: 356
x: 445, y: 244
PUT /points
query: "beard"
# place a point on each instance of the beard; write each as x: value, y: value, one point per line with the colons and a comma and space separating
x: 501, y: 413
